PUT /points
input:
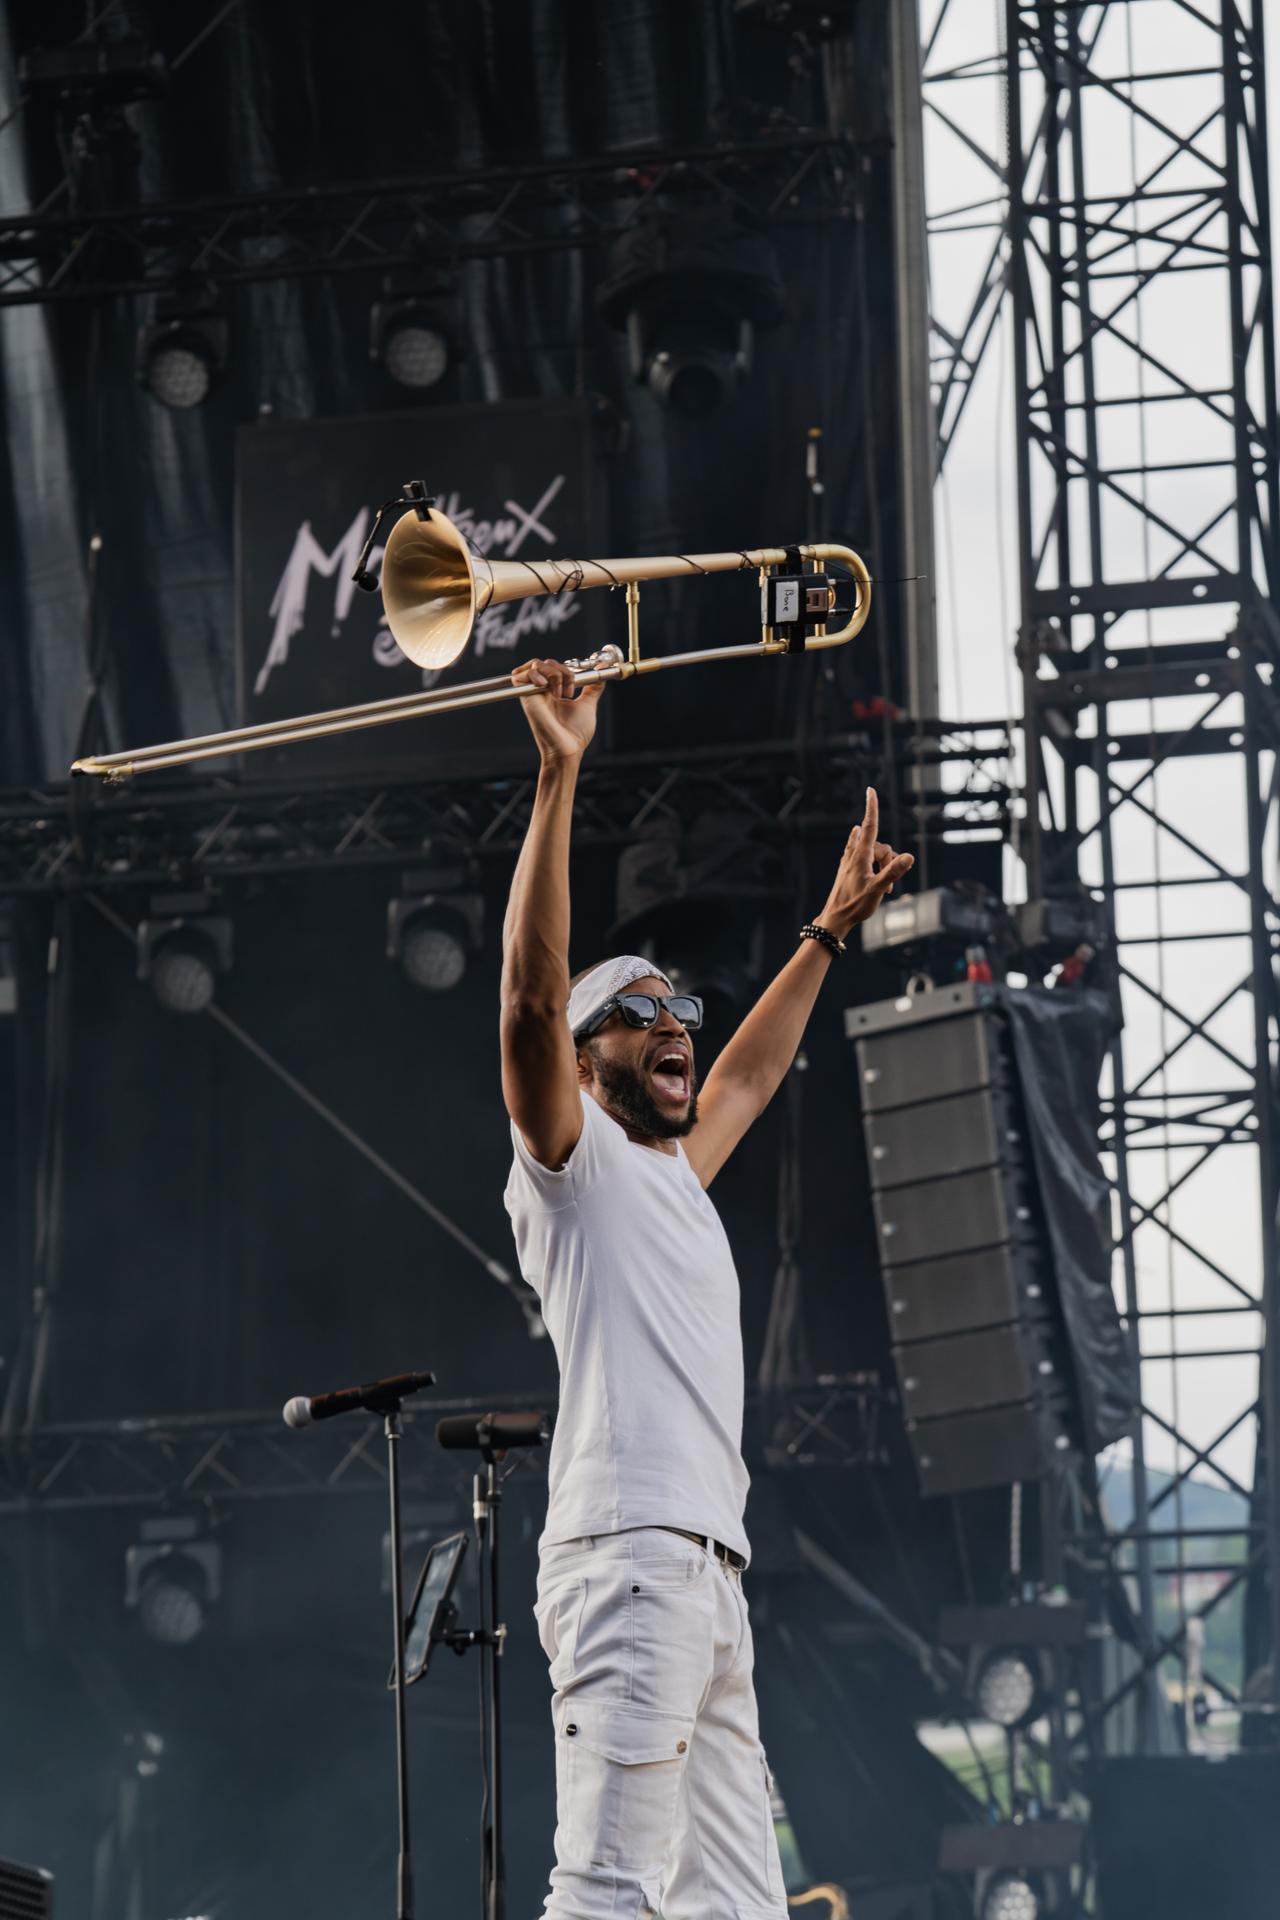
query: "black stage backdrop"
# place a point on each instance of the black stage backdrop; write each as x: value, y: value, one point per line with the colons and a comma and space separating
x: 521, y: 481
x: 285, y: 91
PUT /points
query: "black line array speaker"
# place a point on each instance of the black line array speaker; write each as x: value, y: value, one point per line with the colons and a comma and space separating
x: 26, y: 1893
x: 978, y: 1342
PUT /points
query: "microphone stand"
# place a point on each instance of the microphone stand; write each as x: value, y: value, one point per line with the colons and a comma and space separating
x: 487, y: 1503
x: 404, y: 1865
x: 385, y: 1397
x: 493, y: 1436
x: 490, y: 1637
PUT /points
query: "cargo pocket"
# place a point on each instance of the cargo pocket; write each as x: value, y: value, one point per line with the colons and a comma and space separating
x: 772, y: 1861
x: 559, y: 1615
x: 619, y: 1773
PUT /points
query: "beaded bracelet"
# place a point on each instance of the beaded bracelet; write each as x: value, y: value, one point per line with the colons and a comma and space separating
x: 823, y: 935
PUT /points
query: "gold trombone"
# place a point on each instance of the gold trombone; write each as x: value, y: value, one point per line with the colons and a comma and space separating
x: 434, y: 589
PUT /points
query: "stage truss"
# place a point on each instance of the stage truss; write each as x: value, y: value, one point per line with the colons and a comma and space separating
x: 191, y: 1462
x: 379, y: 226
x: 217, y: 831
x: 1149, y: 509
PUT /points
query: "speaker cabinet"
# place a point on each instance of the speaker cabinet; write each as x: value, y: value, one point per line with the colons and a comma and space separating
x: 26, y: 1893
x: 978, y: 1345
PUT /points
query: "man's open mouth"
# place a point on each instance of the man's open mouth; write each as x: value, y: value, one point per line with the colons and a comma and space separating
x: 671, y: 1075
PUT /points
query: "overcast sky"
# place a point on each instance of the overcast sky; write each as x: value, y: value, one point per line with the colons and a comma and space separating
x: 1182, y: 321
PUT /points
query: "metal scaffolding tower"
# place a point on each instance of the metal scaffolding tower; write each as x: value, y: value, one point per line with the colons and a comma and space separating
x: 1148, y: 471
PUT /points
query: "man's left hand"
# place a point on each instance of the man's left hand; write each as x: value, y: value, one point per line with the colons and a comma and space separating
x: 868, y: 871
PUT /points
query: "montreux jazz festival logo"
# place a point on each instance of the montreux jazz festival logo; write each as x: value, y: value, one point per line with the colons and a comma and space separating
x: 516, y: 533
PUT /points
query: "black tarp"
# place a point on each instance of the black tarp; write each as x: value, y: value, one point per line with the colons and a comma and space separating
x: 1060, y: 1039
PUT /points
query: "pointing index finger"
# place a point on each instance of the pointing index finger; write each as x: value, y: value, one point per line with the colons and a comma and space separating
x: 871, y: 818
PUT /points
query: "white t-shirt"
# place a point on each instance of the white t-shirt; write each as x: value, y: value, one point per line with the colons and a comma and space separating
x: 640, y: 1296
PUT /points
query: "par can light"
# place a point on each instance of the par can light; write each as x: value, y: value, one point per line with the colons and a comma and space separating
x: 184, y: 971
x: 1010, y: 1896
x: 182, y: 951
x: 173, y: 1579
x: 179, y: 371
x: 182, y: 351
x: 1008, y: 1688
x: 171, y: 1611
x: 414, y: 353
x: 433, y: 936
x: 432, y: 951
x: 415, y: 333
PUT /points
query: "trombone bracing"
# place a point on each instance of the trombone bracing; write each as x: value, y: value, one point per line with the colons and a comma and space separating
x: 434, y: 589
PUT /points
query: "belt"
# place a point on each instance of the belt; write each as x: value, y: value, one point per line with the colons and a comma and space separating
x: 721, y: 1552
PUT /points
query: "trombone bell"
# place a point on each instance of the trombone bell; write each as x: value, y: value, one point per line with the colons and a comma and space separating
x: 428, y: 586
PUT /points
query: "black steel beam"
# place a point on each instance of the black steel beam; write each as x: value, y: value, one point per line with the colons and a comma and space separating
x: 382, y: 224
x: 1156, y: 679
x: 168, y: 1462
x: 65, y: 839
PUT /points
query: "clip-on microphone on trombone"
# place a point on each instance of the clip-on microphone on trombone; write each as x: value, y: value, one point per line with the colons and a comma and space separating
x: 415, y: 495
x: 430, y: 1618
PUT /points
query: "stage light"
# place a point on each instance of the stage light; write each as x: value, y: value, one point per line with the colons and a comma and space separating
x: 690, y: 293
x: 414, y: 331
x: 184, y: 972
x: 1010, y: 1896
x: 433, y: 950
x: 173, y: 1579
x: 950, y: 918
x: 1008, y: 1689
x: 182, y: 351
x: 172, y: 1610
x: 182, y: 948
x: 433, y: 930
x: 414, y: 353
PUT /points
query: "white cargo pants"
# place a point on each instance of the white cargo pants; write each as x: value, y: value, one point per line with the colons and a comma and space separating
x: 662, y: 1789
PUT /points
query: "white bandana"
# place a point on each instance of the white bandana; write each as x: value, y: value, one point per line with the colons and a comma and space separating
x: 610, y: 977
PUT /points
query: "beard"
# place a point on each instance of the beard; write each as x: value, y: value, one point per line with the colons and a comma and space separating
x: 627, y: 1095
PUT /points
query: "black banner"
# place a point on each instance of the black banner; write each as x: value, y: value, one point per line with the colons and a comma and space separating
x: 520, y: 480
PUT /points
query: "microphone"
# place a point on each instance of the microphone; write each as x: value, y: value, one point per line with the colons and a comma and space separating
x: 493, y: 1432
x: 377, y: 1396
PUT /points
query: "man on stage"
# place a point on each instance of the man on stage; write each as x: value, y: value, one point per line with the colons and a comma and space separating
x: 661, y: 1782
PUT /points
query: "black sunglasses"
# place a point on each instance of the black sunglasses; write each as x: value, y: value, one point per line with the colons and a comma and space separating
x: 642, y: 1010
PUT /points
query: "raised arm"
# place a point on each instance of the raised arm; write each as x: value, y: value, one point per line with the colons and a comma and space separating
x: 749, y: 1071
x: 539, y: 1067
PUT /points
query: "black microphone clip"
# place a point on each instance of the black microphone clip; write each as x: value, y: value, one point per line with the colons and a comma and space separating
x: 415, y: 495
